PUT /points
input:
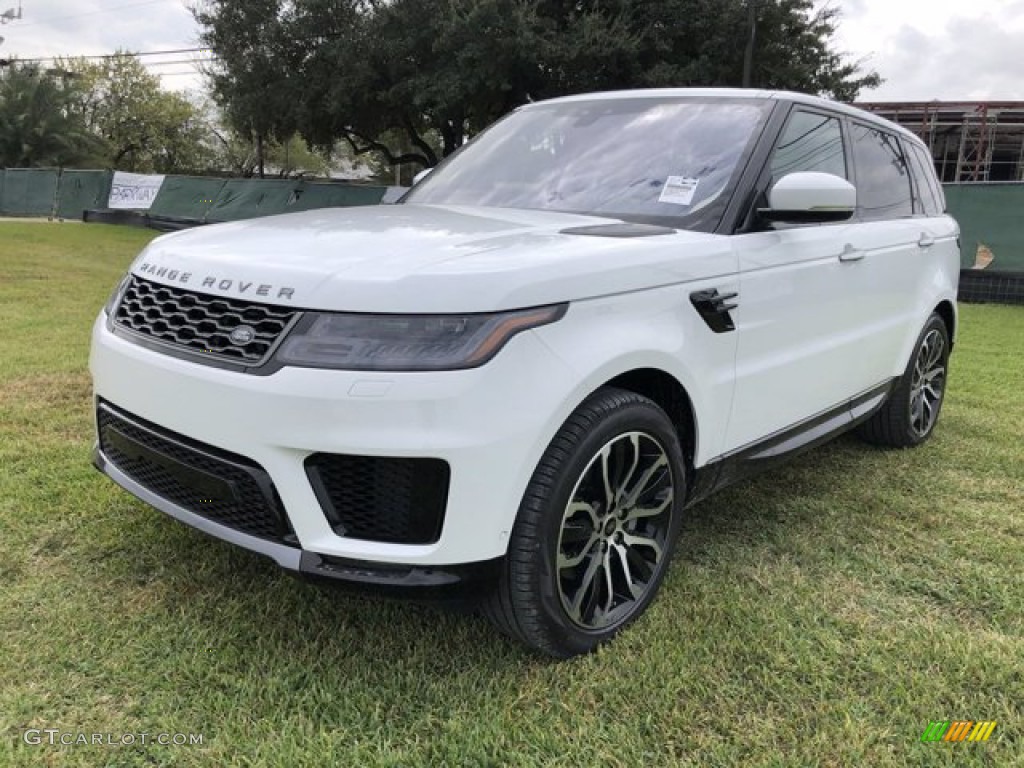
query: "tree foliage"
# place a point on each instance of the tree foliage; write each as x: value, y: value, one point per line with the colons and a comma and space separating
x: 111, y: 114
x: 410, y: 79
x: 144, y: 127
x: 38, y: 124
x: 292, y: 158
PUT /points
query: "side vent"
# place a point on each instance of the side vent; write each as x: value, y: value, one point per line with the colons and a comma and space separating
x: 714, y: 307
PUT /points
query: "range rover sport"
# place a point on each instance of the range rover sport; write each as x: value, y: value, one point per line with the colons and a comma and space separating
x: 512, y: 384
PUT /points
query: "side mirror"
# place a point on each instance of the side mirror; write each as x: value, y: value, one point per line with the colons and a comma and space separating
x: 421, y: 175
x: 810, y: 198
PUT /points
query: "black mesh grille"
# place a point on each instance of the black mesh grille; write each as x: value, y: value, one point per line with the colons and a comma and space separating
x: 228, y: 489
x: 983, y: 286
x: 201, y: 323
x: 399, y: 501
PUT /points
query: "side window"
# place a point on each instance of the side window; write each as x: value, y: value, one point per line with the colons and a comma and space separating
x: 810, y: 142
x: 931, y: 179
x: 925, y: 200
x: 883, y: 180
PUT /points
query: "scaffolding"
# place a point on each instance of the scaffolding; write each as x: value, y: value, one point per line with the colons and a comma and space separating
x: 970, y: 141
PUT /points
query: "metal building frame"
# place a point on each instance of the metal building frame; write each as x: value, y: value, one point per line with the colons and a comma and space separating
x: 971, y: 141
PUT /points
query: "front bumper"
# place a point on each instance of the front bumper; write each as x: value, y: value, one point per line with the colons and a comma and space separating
x: 455, y: 582
x: 490, y: 425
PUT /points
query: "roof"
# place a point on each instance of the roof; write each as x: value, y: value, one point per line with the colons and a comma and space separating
x: 734, y: 93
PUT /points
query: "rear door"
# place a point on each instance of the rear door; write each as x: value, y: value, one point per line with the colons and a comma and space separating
x: 939, y: 232
x: 895, y: 238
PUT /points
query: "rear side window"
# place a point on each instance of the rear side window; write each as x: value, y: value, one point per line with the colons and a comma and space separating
x: 883, y: 179
x: 924, y: 196
x: 924, y: 173
x: 810, y: 142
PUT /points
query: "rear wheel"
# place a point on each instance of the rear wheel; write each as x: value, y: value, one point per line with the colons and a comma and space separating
x: 595, y: 529
x: 909, y: 416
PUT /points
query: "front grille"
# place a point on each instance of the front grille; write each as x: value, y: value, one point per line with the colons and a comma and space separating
x: 398, y: 501
x: 201, y: 323
x: 221, y: 486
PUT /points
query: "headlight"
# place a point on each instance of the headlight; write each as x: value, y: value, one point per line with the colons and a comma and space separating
x: 115, y: 297
x: 406, y: 342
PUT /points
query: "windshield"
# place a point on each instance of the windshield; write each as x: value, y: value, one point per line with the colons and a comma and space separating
x: 647, y: 160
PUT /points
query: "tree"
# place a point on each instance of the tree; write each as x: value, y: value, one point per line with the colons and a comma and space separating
x: 292, y: 158
x: 110, y: 114
x: 145, y: 128
x: 261, y: 69
x: 38, y: 124
x: 410, y: 79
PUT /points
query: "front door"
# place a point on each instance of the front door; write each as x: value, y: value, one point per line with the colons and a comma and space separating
x: 801, y: 351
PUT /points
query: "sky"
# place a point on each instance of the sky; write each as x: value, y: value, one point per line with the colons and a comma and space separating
x: 952, y: 50
x: 924, y: 49
x: 91, y: 27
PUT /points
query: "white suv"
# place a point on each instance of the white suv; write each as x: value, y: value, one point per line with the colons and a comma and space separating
x: 512, y: 384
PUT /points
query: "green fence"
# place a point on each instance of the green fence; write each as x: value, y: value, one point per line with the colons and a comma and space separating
x: 249, y: 198
x: 187, y: 197
x: 29, y: 192
x: 68, y: 194
x: 990, y: 217
x: 51, y: 192
x: 318, y: 195
x: 80, y: 191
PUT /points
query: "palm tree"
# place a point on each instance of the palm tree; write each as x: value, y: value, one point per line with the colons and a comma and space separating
x: 38, y: 127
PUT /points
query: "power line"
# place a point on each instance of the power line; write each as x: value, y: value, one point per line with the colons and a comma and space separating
x: 102, y: 56
x: 179, y: 61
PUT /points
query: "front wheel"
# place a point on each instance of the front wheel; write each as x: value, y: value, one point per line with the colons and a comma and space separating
x: 596, y: 527
x: 909, y: 416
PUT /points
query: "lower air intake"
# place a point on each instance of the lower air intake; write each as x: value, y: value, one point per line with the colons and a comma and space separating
x: 223, y: 487
x: 397, y: 501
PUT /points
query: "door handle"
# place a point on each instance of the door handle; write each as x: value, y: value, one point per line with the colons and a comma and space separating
x: 926, y: 241
x: 851, y: 254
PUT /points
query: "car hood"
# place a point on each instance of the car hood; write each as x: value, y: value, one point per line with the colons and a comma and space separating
x: 418, y: 258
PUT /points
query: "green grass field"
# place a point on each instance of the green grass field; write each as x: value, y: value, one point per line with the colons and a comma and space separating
x: 819, y: 616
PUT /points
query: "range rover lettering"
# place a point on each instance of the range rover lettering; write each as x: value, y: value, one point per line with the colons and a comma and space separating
x: 511, y: 386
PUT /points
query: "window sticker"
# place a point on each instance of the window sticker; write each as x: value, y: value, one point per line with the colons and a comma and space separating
x: 678, y: 190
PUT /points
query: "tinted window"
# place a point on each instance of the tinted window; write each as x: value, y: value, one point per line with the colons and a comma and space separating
x: 636, y: 159
x: 883, y: 181
x: 810, y: 142
x: 930, y: 177
x: 927, y: 203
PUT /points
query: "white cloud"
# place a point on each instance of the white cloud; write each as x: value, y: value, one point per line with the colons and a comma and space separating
x: 937, y: 49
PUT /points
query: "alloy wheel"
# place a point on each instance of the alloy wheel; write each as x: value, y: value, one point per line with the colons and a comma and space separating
x: 927, y: 383
x: 615, y: 530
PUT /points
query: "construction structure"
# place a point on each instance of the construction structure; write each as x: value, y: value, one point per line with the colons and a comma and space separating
x: 971, y: 141
x: 978, y: 149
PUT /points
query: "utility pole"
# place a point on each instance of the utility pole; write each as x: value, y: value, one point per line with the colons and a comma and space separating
x: 6, y: 18
x: 748, y: 57
x: 11, y: 15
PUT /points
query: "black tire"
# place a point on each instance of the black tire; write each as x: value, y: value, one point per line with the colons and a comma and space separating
x: 617, y: 538
x: 909, y: 416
